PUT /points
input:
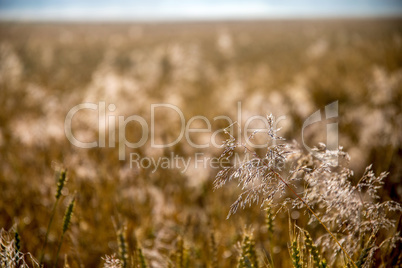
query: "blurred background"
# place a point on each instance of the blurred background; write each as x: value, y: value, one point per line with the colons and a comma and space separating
x: 287, y: 58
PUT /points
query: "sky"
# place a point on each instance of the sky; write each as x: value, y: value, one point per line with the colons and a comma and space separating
x: 136, y: 10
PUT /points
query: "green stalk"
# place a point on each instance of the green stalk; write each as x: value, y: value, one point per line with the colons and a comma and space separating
x: 66, y: 224
x: 60, y: 184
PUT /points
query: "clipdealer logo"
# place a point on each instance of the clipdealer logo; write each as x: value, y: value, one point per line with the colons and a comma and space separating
x: 147, y: 129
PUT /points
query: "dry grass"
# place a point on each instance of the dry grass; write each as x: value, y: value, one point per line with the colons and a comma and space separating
x: 166, y: 217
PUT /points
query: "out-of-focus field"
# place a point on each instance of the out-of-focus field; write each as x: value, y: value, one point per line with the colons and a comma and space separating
x: 290, y: 68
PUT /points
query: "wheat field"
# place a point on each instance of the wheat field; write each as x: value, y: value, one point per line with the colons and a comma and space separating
x: 65, y: 206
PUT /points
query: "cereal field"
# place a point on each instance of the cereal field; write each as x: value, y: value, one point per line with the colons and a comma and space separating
x: 127, y: 202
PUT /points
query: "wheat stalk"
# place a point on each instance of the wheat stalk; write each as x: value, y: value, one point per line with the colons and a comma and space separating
x: 60, y: 184
x: 213, y: 251
x: 66, y: 223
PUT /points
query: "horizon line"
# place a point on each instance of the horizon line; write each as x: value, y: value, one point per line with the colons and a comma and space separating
x: 150, y: 19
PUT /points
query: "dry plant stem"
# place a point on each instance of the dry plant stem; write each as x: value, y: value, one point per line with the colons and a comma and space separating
x: 307, y: 206
x: 315, y: 215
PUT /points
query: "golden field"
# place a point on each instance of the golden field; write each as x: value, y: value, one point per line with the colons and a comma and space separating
x: 287, y: 68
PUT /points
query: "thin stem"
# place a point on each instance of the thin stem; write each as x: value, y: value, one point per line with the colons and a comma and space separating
x: 58, y: 250
x: 48, y: 230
